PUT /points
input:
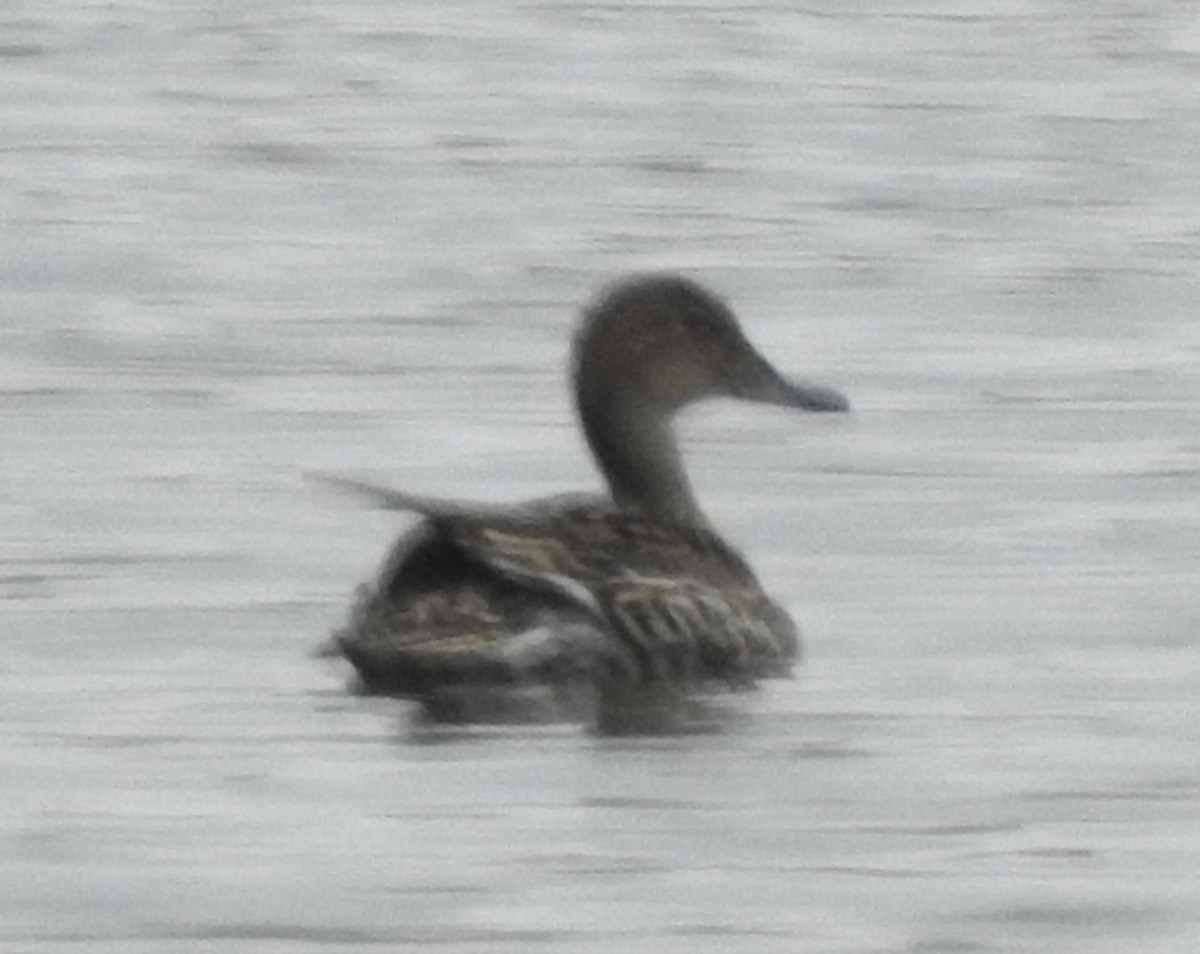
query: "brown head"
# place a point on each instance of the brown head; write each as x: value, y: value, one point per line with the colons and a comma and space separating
x: 649, y: 346
x: 665, y: 342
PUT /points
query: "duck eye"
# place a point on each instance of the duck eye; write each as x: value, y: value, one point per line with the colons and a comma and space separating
x: 696, y: 323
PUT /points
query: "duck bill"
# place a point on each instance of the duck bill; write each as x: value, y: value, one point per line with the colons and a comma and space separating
x: 757, y: 381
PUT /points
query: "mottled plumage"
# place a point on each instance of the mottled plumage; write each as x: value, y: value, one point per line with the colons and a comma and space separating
x: 616, y: 594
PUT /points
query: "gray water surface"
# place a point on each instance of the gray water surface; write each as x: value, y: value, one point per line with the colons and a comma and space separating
x: 242, y: 242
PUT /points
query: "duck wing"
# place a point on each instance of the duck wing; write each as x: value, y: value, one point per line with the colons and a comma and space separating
x: 439, y: 616
x: 676, y: 600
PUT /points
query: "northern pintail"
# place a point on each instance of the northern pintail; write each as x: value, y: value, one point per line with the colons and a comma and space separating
x: 633, y: 594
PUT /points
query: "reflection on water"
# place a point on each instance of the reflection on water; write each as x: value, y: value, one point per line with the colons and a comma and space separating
x: 244, y: 244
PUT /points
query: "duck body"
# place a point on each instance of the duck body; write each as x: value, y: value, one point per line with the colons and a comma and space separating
x: 633, y: 595
x: 562, y: 593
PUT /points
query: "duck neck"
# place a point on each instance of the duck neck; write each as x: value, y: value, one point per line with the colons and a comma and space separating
x: 634, y: 446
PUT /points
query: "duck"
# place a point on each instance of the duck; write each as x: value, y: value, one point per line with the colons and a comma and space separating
x: 631, y: 595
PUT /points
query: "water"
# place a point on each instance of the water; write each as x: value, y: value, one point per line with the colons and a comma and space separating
x: 242, y: 243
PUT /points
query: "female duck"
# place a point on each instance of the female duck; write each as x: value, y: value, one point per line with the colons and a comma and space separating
x: 634, y: 594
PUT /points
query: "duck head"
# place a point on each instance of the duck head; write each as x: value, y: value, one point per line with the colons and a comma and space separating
x: 646, y: 348
x: 663, y: 342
